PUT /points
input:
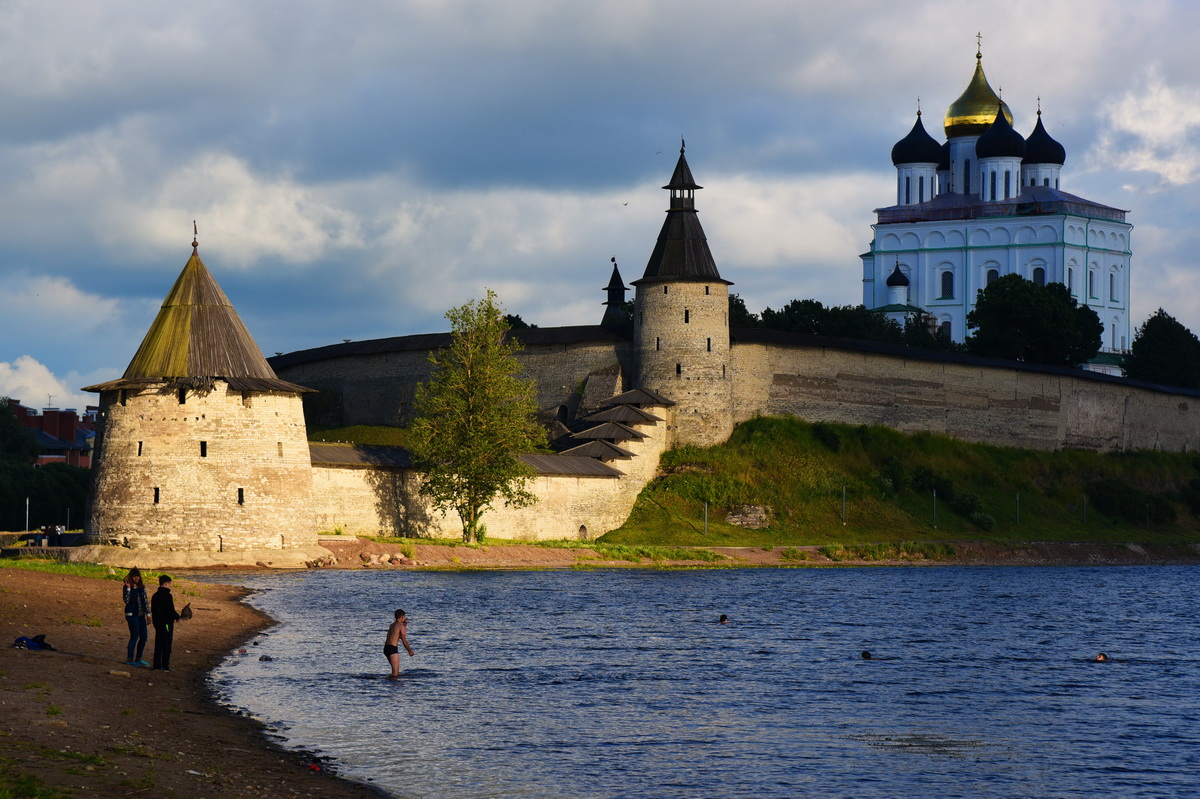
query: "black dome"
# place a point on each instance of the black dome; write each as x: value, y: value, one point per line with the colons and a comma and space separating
x: 918, y: 147
x: 897, y: 278
x: 1000, y: 140
x: 1041, y: 149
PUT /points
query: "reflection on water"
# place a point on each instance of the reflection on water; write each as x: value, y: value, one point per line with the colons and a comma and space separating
x: 551, y: 684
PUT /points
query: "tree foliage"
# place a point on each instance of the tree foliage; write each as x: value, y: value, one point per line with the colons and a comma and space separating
x: 17, y: 443
x: 843, y: 321
x: 740, y: 315
x: 1164, y: 351
x: 1018, y: 320
x: 474, y: 417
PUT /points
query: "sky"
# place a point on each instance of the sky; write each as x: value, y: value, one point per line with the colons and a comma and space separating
x: 356, y: 169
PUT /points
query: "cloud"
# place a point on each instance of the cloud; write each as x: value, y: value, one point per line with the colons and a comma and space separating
x: 30, y: 381
x: 1153, y: 127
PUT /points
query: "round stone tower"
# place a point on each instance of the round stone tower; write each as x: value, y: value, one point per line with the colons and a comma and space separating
x: 200, y: 445
x: 681, y: 323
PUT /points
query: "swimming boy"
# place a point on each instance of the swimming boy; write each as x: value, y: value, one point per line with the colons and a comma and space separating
x: 397, y: 634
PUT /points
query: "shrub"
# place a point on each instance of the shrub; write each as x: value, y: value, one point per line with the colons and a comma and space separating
x: 1120, y: 500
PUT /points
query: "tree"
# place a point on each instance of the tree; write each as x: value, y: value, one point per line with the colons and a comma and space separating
x: 474, y: 417
x: 1164, y: 351
x: 740, y: 315
x: 843, y: 321
x: 17, y: 443
x: 1018, y: 320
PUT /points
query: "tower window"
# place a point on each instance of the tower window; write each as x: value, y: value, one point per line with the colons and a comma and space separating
x: 1007, y: 184
x: 678, y: 369
x: 710, y: 345
x: 966, y: 176
x: 907, y: 190
x: 124, y: 396
x: 706, y: 291
x: 664, y: 289
x: 1045, y: 181
x: 1039, y: 276
x: 992, y: 274
x: 156, y: 495
x: 687, y: 316
x: 139, y: 449
x: 921, y: 189
x: 203, y: 449
x: 657, y: 343
x: 992, y: 187
x: 182, y: 396
x: 279, y: 447
x: 241, y: 496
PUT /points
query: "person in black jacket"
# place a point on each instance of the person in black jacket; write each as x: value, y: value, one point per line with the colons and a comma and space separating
x: 163, y: 615
x: 137, y: 612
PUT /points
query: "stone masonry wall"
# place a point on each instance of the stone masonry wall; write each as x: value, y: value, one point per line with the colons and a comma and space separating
x: 221, y: 471
x: 373, y: 501
x: 379, y: 389
x: 990, y: 404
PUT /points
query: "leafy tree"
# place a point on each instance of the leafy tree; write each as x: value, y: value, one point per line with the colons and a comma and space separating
x: 474, y: 417
x: 739, y: 314
x: 1019, y: 320
x: 17, y: 443
x: 844, y: 321
x: 1164, y: 351
x: 918, y: 333
x: 515, y: 322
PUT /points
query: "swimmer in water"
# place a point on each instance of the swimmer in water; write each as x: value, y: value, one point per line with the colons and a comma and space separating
x: 397, y: 634
x: 1101, y: 658
x: 723, y: 620
x: 866, y: 655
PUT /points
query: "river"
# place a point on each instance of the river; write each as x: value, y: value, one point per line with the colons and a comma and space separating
x: 621, y: 683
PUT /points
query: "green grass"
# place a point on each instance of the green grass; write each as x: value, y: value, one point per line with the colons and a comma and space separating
x: 799, y: 470
x: 81, y: 570
x: 362, y: 434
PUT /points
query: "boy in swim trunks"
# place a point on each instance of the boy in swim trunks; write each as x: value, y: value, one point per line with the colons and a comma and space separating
x: 397, y: 634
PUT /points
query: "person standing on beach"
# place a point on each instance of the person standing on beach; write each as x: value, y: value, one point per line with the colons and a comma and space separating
x: 397, y: 634
x: 137, y: 614
x: 162, y: 612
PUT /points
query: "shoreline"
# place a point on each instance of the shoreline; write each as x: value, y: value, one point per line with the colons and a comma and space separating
x: 80, y: 719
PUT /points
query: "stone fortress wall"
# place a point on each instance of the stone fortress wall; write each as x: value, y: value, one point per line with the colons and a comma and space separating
x: 220, y: 471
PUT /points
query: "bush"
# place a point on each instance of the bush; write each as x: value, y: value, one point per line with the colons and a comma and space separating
x: 827, y: 436
x: 1119, y: 500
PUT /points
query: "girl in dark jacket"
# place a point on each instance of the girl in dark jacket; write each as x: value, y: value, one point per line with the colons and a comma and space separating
x: 137, y: 612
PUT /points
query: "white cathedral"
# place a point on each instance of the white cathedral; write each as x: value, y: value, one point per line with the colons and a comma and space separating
x: 988, y: 203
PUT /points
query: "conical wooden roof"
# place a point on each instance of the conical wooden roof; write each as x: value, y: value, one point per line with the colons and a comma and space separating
x: 199, y: 337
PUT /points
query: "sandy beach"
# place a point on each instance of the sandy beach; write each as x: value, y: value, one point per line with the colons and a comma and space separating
x: 80, y: 719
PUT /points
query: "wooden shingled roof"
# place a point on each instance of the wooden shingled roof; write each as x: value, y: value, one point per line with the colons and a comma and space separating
x: 196, y: 338
x: 613, y: 431
x: 599, y: 449
x: 640, y: 396
x: 626, y: 414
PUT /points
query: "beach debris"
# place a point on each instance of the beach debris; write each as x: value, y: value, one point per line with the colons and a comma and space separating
x: 266, y: 658
x: 262, y: 565
x: 118, y: 673
x: 191, y: 771
x: 313, y: 767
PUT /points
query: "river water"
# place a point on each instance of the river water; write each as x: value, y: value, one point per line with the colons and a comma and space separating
x: 622, y: 684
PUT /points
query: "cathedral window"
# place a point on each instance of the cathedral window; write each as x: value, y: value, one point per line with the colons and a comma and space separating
x: 706, y: 291
x: 907, y: 190
x: 992, y: 274
x: 1039, y: 276
x: 947, y: 285
x: 966, y: 176
x: 921, y: 189
x: 944, y: 330
x: 1091, y: 290
x: 1071, y: 280
x: 1112, y: 287
x: 992, y: 187
x: 1007, y: 184
x: 1046, y: 182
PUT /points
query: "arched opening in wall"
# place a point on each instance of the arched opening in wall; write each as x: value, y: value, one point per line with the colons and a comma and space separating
x: 156, y: 495
x: 947, y: 285
x: 241, y: 496
x: 1039, y: 276
x: 1046, y: 181
x: 583, y: 533
x: 561, y: 414
x: 124, y: 395
x: 1112, y: 287
x: 1071, y: 281
x: 992, y: 274
x: 1091, y: 288
x: 945, y: 330
x: 722, y: 371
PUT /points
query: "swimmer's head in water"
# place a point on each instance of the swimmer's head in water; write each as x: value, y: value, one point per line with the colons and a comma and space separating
x: 724, y: 619
x: 1101, y: 658
x: 866, y: 655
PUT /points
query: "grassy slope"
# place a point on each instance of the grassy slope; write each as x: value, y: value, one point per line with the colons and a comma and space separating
x: 798, y: 471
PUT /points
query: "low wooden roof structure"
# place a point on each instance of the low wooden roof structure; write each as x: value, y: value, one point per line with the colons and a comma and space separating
x: 613, y: 431
x: 626, y: 414
x: 599, y: 449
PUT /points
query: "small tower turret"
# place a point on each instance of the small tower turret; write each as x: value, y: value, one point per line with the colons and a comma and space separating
x: 681, y: 322
x: 614, y: 311
x: 916, y: 158
x: 1044, y: 157
x: 1000, y: 150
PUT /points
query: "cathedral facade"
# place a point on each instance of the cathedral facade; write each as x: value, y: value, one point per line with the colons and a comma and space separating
x: 988, y: 202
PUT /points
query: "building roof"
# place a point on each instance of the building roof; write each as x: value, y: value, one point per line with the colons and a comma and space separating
x: 681, y: 252
x: 367, y: 456
x: 1000, y: 140
x: 975, y: 109
x: 626, y: 414
x: 600, y: 449
x: 197, y: 338
x: 640, y: 396
x: 918, y: 147
x: 897, y: 278
x: 613, y: 431
x: 1032, y: 201
x: 1041, y: 148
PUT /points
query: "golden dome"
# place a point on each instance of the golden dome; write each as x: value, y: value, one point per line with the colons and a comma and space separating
x: 975, y: 109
